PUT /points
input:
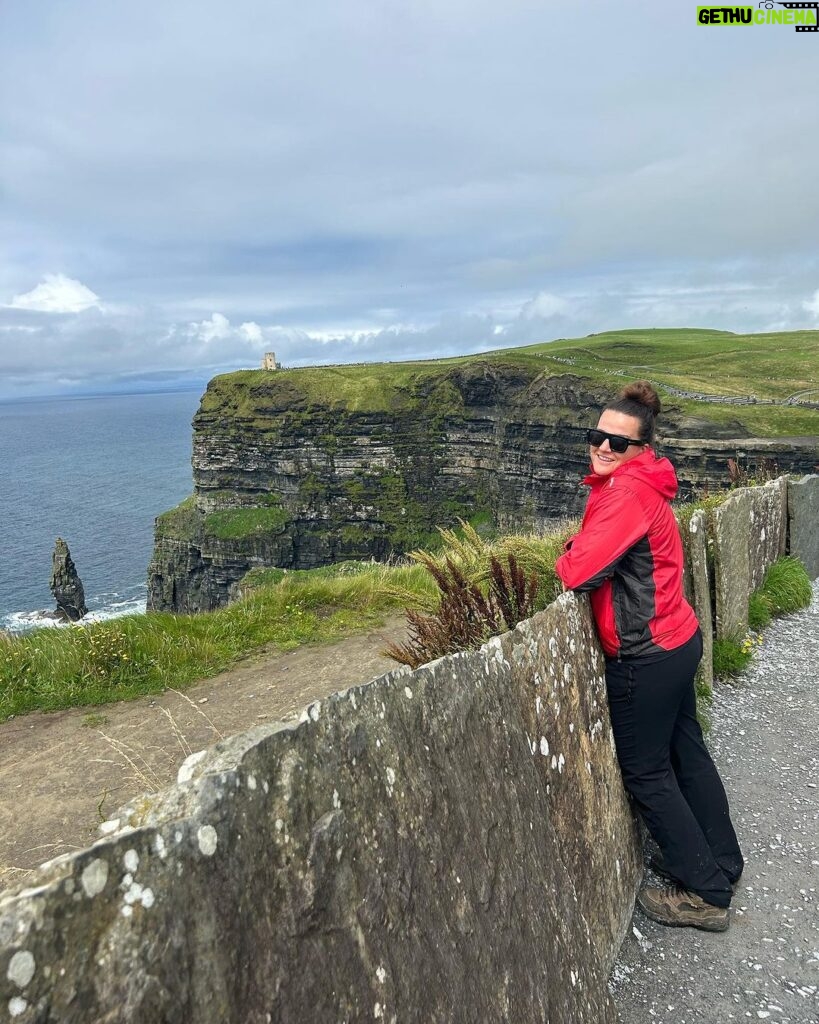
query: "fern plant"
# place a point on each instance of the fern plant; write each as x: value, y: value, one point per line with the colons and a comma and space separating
x: 466, y: 617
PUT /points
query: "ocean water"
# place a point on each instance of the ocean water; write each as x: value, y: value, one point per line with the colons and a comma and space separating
x: 96, y: 472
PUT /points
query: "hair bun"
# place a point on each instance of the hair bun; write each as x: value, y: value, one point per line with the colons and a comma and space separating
x: 643, y: 393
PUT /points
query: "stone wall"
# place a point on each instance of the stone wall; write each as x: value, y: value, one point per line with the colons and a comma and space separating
x: 449, y: 844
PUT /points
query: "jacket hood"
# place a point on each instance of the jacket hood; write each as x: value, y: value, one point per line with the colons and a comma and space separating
x: 657, y: 473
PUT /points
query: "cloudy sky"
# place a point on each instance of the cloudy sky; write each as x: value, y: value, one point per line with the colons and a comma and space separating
x: 184, y: 185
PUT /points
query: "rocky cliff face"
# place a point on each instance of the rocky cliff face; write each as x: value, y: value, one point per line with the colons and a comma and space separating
x: 281, y: 479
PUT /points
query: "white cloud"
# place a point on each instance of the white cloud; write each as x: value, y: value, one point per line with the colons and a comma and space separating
x: 812, y: 305
x: 544, y: 306
x: 215, y: 329
x: 252, y: 332
x: 57, y: 293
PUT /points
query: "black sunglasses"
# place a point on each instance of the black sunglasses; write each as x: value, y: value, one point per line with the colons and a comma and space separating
x: 617, y: 442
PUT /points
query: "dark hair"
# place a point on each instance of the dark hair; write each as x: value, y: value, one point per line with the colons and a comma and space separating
x: 641, y: 401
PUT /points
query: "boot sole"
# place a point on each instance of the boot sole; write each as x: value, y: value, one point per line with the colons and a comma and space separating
x: 703, y: 925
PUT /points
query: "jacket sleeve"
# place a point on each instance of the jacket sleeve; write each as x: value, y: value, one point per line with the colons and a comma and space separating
x: 617, y: 522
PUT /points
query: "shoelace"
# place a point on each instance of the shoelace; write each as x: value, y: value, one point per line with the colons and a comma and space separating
x: 677, y: 891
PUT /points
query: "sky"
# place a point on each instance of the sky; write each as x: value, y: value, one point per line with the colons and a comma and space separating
x: 186, y: 185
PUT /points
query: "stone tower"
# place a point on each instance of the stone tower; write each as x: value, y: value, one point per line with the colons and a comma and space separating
x: 269, y: 361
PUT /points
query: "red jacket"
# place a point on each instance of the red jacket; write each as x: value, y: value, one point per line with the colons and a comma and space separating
x: 629, y: 555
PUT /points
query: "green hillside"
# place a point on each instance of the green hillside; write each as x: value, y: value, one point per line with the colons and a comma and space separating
x: 767, y: 366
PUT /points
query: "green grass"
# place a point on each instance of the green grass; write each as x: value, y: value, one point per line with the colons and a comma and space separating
x: 259, y: 578
x: 685, y: 512
x: 50, y: 669
x: 184, y: 522
x: 785, y: 589
x: 759, y: 611
x: 732, y: 655
x: 239, y: 523
x: 180, y: 522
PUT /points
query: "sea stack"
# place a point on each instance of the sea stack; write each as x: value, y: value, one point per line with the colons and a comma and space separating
x: 66, y: 585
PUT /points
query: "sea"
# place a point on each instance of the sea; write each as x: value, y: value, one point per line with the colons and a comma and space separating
x: 95, y: 471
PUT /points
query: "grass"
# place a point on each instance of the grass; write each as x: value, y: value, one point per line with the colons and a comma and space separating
x: 786, y: 587
x: 732, y: 655
x: 239, y: 523
x: 533, y: 552
x: 707, y: 504
x: 759, y: 611
x: 185, y: 522
x: 179, y: 522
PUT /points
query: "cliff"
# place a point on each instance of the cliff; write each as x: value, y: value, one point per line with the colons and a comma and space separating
x: 305, y: 467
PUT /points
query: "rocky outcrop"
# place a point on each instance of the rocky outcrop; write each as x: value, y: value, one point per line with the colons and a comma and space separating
x: 450, y: 844
x: 66, y: 585
x: 283, y: 477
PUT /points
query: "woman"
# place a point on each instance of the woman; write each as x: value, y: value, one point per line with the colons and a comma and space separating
x: 628, y: 555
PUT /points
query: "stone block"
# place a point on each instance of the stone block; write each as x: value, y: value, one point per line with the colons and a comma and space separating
x: 803, y: 522
x: 768, y: 528
x: 750, y: 534
x: 696, y: 548
x: 448, y: 844
x: 732, y: 569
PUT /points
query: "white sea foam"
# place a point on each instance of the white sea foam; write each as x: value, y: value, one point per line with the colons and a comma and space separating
x: 23, y: 622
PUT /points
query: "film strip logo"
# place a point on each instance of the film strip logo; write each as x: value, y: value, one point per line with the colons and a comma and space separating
x: 813, y: 6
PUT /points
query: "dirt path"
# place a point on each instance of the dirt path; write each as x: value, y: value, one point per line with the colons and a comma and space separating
x: 63, y: 773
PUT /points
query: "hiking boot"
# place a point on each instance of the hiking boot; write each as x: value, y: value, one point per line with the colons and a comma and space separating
x: 657, y: 865
x: 675, y: 906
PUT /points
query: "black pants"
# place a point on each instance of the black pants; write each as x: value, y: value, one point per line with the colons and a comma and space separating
x: 669, y: 772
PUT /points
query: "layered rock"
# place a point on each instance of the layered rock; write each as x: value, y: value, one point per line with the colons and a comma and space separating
x: 282, y: 478
x: 66, y: 585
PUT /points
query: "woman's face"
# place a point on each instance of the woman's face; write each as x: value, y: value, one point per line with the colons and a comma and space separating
x: 603, y: 460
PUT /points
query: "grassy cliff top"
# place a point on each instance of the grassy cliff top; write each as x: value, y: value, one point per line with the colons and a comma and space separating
x: 710, y: 362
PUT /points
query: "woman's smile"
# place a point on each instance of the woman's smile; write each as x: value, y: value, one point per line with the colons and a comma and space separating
x: 603, y: 460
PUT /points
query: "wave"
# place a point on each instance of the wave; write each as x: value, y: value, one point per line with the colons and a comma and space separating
x: 114, y: 608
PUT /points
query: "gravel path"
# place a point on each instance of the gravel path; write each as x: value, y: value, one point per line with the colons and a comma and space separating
x: 765, y: 741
